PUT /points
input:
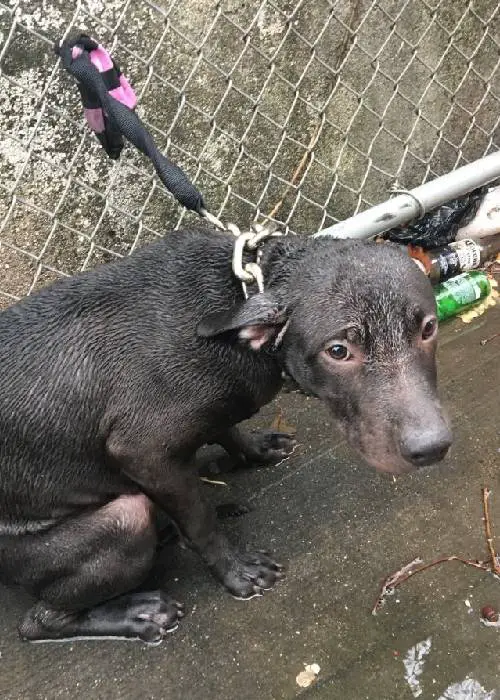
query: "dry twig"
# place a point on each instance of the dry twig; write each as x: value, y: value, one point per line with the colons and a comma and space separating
x: 487, y: 531
x: 398, y: 577
x: 395, y: 579
x: 487, y: 340
x: 298, y: 170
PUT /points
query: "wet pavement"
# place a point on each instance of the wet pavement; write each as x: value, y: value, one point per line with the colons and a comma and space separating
x: 340, y: 528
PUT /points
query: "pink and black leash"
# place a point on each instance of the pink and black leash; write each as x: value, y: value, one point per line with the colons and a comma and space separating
x: 109, y: 102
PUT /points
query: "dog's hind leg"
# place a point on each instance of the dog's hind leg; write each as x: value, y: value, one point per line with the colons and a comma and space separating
x: 82, y: 571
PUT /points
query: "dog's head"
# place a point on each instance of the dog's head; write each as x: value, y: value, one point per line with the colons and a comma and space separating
x: 357, y: 328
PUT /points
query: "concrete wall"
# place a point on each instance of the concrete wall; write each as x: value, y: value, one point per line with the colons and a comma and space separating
x: 395, y: 92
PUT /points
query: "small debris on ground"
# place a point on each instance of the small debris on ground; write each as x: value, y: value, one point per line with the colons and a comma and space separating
x: 214, y: 482
x: 487, y: 340
x: 308, y: 676
x: 490, y: 615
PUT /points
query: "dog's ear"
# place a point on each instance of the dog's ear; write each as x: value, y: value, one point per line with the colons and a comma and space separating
x: 257, y: 320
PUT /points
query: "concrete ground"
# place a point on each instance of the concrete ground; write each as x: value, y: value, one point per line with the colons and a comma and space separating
x: 340, y: 528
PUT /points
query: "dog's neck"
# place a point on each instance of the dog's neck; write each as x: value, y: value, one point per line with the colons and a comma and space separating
x: 279, y: 259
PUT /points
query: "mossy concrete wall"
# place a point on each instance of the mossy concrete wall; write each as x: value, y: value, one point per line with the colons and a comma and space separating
x: 394, y: 92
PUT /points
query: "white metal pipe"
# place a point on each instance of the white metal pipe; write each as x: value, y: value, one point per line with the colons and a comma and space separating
x: 413, y: 204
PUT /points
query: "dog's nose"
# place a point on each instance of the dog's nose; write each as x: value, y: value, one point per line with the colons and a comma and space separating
x: 422, y: 448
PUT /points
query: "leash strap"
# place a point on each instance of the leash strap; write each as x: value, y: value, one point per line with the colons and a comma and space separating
x: 109, y: 102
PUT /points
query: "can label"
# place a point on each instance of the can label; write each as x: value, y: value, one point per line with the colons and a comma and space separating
x: 463, y: 289
x: 468, y: 253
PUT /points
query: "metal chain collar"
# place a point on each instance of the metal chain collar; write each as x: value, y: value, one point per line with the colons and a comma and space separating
x: 248, y: 273
x: 251, y: 273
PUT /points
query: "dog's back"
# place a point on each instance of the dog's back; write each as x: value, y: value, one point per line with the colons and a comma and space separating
x: 91, y: 346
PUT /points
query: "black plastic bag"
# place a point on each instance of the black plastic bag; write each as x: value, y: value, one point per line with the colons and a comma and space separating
x: 439, y: 227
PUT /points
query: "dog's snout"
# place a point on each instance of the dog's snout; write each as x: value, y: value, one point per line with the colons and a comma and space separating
x: 422, y: 448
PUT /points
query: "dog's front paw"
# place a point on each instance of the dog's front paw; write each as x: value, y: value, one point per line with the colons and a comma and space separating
x: 249, y: 449
x: 247, y: 575
x: 268, y: 447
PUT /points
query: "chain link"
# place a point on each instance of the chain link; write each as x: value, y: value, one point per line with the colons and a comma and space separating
x: 250, y: 273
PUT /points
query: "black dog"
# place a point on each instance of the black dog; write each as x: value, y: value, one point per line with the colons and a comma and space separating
x: 111, y: 381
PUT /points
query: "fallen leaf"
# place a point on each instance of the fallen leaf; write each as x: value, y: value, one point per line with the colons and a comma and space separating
x: 279, y: 424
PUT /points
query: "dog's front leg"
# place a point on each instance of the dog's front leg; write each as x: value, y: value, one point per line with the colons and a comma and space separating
x: 254, y: 448
x: 173, y: 484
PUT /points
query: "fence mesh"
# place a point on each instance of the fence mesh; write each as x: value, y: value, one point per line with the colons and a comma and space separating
x: 310, y: 110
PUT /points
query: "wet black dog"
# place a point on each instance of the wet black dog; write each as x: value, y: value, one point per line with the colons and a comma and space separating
x: 110, y: 382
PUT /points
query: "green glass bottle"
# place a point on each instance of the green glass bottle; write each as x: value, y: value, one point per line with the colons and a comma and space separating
x: 460, y: 293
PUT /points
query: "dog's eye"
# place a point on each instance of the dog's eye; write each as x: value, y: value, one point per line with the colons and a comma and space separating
x: 429, y: 328
x: 338, y: 352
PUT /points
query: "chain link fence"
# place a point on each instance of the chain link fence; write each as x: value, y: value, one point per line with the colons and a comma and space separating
x: 309, y: 110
